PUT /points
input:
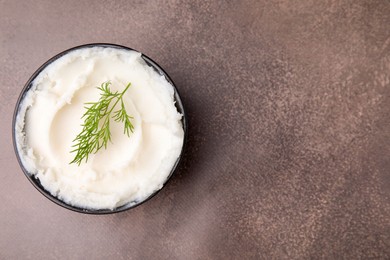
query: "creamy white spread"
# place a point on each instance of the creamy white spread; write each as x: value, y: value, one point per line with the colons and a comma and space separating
x: 131, y: 168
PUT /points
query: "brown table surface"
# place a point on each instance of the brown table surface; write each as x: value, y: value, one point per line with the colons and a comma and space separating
x: 289, y: 130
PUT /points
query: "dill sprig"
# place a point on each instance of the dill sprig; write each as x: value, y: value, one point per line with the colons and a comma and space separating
x: 96, y: 127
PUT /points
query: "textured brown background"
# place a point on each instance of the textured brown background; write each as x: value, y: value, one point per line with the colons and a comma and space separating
x: 289, y: 140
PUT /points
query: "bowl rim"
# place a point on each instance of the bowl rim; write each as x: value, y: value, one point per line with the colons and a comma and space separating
x: 36, y: 182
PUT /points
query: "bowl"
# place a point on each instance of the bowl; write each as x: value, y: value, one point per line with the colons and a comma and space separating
x: 36, y: 182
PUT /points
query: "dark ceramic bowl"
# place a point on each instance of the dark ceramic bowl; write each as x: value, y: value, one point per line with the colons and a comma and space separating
x: 35, y: 181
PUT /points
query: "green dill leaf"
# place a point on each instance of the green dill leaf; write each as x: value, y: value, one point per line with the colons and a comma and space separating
x: 96, y: 132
